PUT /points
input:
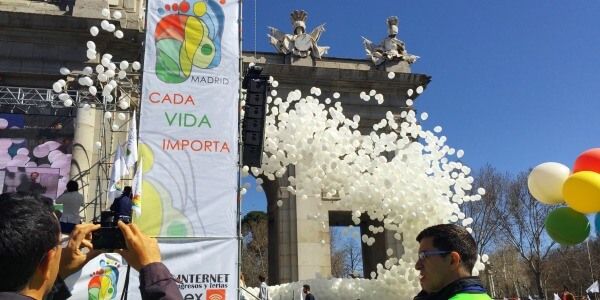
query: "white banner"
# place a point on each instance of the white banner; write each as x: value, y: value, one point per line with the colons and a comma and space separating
x: 189, y: 119
x: 196, y: 264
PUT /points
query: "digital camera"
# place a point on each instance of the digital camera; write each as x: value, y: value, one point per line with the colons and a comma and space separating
x: 109, y: 236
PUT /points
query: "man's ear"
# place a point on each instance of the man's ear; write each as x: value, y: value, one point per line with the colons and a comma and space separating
x: 45, y: 266
x: 455, y: 260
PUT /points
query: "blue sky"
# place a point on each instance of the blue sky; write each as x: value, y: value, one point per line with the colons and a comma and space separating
x: 514, y: 83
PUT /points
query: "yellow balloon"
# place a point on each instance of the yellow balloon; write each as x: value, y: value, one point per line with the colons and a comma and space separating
x: 582, y: 192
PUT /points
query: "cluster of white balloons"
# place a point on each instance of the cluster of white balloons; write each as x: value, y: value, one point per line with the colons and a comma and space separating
x: 400, y: 174
x: 105, y: 75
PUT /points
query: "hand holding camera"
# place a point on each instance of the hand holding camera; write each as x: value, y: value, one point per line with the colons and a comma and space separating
x: 141, y: 249
x: 73, y: 256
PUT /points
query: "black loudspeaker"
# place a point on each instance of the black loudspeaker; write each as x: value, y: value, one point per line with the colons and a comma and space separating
x: 253, y: 126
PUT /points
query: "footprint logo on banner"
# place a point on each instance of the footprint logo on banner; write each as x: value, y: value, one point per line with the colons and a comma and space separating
x: 189, y: 34
x: 215, y: 294
x: 103, y: 284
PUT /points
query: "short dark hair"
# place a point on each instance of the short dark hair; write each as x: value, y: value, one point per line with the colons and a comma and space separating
x: 127, y: 190
x: 307, y: 287
x: 451, y: 237
x: 72, y: 186
x: 261, y: 277
x: 28, y: 229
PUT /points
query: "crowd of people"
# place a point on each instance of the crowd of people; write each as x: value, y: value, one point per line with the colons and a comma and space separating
x: 34, y: 263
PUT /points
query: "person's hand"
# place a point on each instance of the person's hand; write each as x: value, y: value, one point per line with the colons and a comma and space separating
x: 72, y: 257
x: 141, y: 249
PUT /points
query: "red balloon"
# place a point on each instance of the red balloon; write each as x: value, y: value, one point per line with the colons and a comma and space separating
x: 588, y: 161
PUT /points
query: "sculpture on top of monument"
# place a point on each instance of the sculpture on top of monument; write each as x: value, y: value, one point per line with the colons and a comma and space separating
x: 299, y: 43
x: 390, y: 48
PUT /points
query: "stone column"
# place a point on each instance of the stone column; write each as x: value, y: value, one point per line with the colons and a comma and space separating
x: 314, y: 256
x: 83, y: 155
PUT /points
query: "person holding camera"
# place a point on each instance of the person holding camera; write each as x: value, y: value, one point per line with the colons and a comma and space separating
x: 33, y: 262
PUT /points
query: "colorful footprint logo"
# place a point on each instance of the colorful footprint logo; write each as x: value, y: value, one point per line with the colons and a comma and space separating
x: 103, y: 284
x: 189, y: 35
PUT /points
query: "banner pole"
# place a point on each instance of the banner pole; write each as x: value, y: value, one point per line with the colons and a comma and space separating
x: 240, y: 145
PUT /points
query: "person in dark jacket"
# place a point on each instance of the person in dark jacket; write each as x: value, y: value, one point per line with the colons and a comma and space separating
x: 306, y: 291
x: 122, y: 204
x: 33, y: 262
x: 447, y: 254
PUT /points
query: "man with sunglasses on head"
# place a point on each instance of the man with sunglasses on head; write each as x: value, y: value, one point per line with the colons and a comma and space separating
x: 447, y: 254
x: 33, y: 263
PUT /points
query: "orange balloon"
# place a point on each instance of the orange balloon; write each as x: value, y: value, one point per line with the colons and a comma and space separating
x: 588, y: 161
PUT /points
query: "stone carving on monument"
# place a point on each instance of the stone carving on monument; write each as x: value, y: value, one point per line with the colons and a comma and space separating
x: 390, y: 49
x: 300, y: 43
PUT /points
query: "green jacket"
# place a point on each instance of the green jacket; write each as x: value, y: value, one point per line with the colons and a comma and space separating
x: 467, y: 296
x: 469, y: 288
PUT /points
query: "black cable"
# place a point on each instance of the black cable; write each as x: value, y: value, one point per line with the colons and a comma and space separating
x: 126, y: 286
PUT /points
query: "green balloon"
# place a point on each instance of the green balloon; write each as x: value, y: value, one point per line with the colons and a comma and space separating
x: 567, y: 226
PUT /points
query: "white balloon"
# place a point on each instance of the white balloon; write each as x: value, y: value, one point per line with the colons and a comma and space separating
x: 98, y: 145
x: 88, y: 71
x: 99, y: 69
x: 86, y: 107
x: 102, y: 77
x: 119, y: 34
x: 123, y: 104
x: 115, y: 127
x: 68, y: 102
x: 419, y: 90
x: 94, y: 31
x: 56, y: 87
x: 91, y: 54
x: 111, y: 27
x: 122, y: 116
x: 546, y: 180
x: 104, y: 24
x: 65, y: 71
x: 91, y: 45
x: 117, y: 15
x: 105, y: 12
x: 122, y: 74
x: 63, y: 96
x: 391, y: 75
x: 108, y: 115
x: 124, y: 65
x: 136, y: 65
x: 92, y: 89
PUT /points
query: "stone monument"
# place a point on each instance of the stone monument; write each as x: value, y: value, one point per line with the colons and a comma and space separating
x: 391, y: 50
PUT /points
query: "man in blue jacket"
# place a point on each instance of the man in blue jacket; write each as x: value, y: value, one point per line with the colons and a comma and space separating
x: 447, y: 254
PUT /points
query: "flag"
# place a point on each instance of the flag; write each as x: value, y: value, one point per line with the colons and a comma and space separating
x: 594, y: 288
x: 137, y: 190
x: 132, y: 142
x: 119, y: 170
x: 529, y: 297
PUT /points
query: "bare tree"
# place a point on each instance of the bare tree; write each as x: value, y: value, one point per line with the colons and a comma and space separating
x: 255, y: 246
x: 521, y: 219
x: 346, y: 256
x: 485, y: 226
